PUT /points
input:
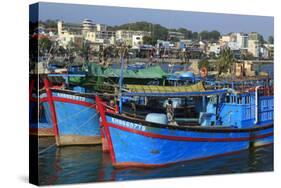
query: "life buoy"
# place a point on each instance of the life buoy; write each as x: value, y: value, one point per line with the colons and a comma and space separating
x: 204, y: 72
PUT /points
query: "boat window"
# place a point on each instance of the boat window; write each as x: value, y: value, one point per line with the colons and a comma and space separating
x: 239, y: 101
x: 233, y: 99
x: 246, y: 100
x: 227, y: 99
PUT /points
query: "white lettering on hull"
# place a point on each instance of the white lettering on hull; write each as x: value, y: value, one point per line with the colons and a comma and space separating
x: 127, y: 124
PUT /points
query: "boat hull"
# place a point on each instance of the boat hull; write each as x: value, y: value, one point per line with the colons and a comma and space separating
x: 41, y: 129
x: 38, y: 124
x: 77, y: 121
x: 135, y: 144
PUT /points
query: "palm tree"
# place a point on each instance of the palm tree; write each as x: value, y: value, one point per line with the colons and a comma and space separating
x: 225, y: 61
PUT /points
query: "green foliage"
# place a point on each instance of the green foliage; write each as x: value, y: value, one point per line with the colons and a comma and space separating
x: 204, y: 63
x: 44, y: 45
x: 174, y: 39
x: 204, y: 35
x: 213, y: 35
x: 195, y: 36
x: 225, y: 61
x: 147, y: 40
x: 157, y: 31
x: 261, y: 39
x: 187, y: 33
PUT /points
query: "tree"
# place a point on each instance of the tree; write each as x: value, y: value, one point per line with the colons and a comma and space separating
x: 44, y: 45
x: 187, y: 33
x: 214, y: 35
x: 260, y: 38
x: 195, y: 36
x: 174, y: 39
x: 225, y: 61
x: 204, y: 63
x: 204, y: 35
x: 147, y: 40
x: 270, y: 40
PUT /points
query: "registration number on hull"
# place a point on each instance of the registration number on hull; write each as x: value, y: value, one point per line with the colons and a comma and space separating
x: 127, y: 124
x: 73, y: 97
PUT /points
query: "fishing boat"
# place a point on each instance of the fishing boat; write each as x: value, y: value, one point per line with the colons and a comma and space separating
x: 73, y: 115
x: 229, y: 122
x: 38, y: 124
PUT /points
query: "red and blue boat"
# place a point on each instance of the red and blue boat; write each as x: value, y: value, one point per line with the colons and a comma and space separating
x: 38, y: 124
x: 229, y: 122
x: 73, y: 115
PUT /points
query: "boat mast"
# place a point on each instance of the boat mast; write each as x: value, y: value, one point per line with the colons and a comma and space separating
x: 121, y: 78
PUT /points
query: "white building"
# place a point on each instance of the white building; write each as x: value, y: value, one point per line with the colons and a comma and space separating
x: 137, y: 40
x: 264, y: 51
x: 234, y: 45
x: 214, y: 48
x: 242, y: 40
x: 254, y: 47
x: 67, y: 35
x: 235, y: 41
x: 224, y: 40
x: 106, y: 37
x: 127, y: 35
x: 87, y: 26
x: 175, y: 35
x: 100, y: 27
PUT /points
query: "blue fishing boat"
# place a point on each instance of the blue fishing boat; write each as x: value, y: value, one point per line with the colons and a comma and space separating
x: 229, y: 122
x: 73, y: 115
x: 38, y: 124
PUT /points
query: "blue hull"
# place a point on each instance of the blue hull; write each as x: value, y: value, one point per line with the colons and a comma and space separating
x: 38, y: 124
x: 77, y: 119
x: 136, y: 144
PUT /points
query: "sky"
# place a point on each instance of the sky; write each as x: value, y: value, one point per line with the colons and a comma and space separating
x: 195, y: 21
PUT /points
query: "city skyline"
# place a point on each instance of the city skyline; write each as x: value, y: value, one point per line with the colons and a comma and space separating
x: 195, y: 21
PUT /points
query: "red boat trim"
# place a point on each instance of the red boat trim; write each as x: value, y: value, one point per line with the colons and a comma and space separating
x: 52, y: 109
x: 111, y: 149
x: 142, y: 165
x: 31, y: 86
x: 190, y: 128
x: 101, y: 109
x: 188, y: 139
x: 59, y: 99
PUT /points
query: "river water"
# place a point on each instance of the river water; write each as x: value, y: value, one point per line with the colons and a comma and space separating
x: 83, y: 164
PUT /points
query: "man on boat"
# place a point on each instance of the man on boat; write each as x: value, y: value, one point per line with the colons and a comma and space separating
x: 134, y: 108
x: 170, y: 112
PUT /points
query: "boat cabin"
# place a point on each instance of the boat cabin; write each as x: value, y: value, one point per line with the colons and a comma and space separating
x: 240, y: 110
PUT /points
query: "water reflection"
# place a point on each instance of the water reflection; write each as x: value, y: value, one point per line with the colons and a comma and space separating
x: 81, y: 164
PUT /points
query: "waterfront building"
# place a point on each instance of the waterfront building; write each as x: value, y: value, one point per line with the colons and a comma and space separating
x: 244, y: 68
x: 175, y: 35
x: 106, y: 37
x: 87, y: 26
x: 126, y: 36
x: 69, y: 33
x: 270, y: 48
x: 264, y: 51
x: 214, y: 48
x: 100, y: 27
x: 225, y: 39
x: 253, y: 36
x: 254, y: 47
x: 137, y: 40
x: 242, y: 40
